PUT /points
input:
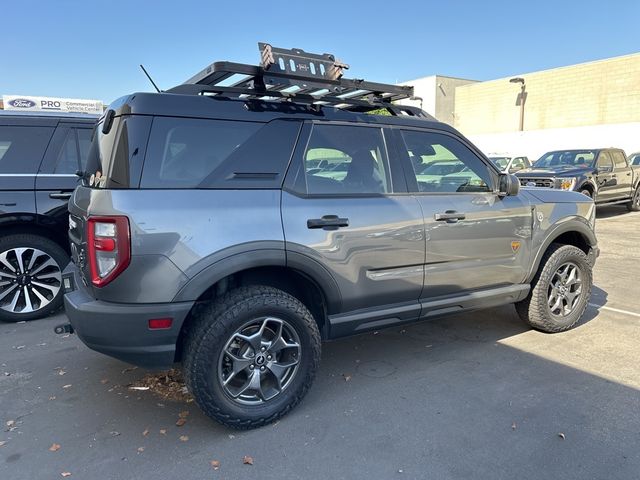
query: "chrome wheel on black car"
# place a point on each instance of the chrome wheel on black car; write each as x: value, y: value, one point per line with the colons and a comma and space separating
x: 30, y: 277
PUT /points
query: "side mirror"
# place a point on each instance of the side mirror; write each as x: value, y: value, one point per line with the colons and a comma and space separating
x: 508, y: 185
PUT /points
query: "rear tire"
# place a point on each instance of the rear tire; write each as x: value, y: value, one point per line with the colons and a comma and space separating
x: 554, y: 303
x: 634, y: 204
x: 251, y: 356
x: 30, y: 277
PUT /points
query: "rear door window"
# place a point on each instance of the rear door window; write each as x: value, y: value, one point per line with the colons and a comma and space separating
x: 22, y: 148
x: 67, y: 161
x: 618, y: 159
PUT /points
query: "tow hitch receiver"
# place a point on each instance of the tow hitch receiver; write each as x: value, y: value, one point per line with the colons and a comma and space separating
x: 63, y: 328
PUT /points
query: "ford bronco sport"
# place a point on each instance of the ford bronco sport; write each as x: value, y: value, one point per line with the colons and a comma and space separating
x: 209, y: 233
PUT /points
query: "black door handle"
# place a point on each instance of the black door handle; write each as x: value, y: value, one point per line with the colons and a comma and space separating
x: 61, y: 195
x: 450, y: 216
x: 328, y: 222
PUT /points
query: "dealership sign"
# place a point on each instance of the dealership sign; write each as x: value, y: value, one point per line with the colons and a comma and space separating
x: 51, y: 104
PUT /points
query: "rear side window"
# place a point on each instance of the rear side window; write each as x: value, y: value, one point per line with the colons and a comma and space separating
x: 202, y: 153
x: 22, y: 148
x: 115, y: 158
x: 618, y: 159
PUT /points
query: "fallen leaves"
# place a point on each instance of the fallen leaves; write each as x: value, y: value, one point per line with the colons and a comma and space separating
x: 145, y: 433
x: 163, y: 431
x: 168, y: 385
x: 54, y: 447
x: 180, y: 422
x: 513, y: 426
x: 346, y: 377
x: 10, y: 423
x: 140, y: 449
x: 561, y: 435
x: 104, y: 381
x: 184, y: 438
x: 247, y: 460
x: 3, y: 443
x: 129, y: 369
x: 65, y: 474
x: 139, y: 388
x: 215, y: 464
x: 67, y: 386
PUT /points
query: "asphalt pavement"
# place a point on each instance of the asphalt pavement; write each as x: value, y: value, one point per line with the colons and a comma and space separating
x: 471, y: 396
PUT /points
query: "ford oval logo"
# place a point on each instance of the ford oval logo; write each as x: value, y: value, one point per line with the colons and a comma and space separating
x: 22, y: 103
x: 531, y: 184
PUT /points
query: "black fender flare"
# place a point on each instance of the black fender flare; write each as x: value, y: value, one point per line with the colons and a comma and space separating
x: 590, y: 183
x: 576, y: 226
x: 263, y: 257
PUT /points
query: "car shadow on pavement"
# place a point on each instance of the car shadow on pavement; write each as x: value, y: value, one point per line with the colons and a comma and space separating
x: 478, y: 395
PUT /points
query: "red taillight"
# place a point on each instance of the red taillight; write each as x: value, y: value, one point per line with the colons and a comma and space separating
x: 160, y: 323
x: 109, y: 248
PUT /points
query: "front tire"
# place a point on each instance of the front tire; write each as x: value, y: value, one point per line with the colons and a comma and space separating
x: 251, y: 356
x: 30, y: 277
x: 586, y: 192
x: 560, y: 290
x: 634, y: 204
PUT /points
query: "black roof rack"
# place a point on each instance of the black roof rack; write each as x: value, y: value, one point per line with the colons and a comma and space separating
x: 301, y: 77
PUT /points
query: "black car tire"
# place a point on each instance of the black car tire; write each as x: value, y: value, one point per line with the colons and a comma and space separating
x: 535, y: 309
x: 51, y: 249
x: 587, y: 192
x: 634, y: 204
x: 209, y: 337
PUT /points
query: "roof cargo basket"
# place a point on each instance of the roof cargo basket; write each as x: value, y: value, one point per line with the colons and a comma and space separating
x: 301, y: 77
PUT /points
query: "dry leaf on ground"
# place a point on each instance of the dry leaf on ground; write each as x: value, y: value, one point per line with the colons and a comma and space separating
x: 215, y: 464
x: 247, y: 460
x: 184, y: 438
x: 181, y: 421
x: 54, y: 448
x: 513, y: 426
x: 3, y: 443
x: 163, y: 431
x: 169, y: 385
x: 145, y: 433
x: 140, y: 449
x: 67, y: 386
x: 184, y: 414
x: 65, y: 474
x: 104, y: 380
x: 561, y: 435
x: 346, y: 377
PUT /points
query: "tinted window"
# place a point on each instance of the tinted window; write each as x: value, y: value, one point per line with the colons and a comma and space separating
x: 346, y: 160
x: 21, y: 148
x: 115, y: 159
x: 618, y: 159
x: 84, y: 143
x: 184, y: 152
x: 443, y: 164
x: 635, y: 159
x: 570, y: 158
x: 67, y: 161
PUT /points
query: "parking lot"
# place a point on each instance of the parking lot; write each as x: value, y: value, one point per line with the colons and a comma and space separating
x: 473, y: 396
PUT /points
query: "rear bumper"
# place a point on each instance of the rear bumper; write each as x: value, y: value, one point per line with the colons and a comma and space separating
x: 122, y: 330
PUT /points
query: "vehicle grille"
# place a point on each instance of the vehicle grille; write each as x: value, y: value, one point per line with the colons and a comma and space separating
x: 540, y: 182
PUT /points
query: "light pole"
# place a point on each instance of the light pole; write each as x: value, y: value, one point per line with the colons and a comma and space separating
x: 522, y: 97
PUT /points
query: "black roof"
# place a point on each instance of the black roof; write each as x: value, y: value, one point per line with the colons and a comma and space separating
x: 49, y: 115
x: 224, y: 108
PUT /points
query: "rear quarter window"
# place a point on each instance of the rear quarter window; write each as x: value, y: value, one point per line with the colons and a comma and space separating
x: 203, y: 153
x: 22, y: 148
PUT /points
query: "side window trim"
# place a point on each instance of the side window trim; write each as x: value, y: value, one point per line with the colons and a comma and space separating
x: 412, y: 182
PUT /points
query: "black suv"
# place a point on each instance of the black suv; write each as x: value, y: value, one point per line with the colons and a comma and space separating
x: 39, y: 157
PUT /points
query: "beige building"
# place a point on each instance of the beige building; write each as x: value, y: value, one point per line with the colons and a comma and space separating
x: 594, y: 93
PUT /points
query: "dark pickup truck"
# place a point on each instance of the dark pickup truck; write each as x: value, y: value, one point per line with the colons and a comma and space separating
x: 603, y: 174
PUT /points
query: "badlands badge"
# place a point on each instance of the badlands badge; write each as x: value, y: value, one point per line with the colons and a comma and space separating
x: 515, y: 246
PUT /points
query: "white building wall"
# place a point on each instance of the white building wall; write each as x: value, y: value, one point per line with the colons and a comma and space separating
x: 534, y: 143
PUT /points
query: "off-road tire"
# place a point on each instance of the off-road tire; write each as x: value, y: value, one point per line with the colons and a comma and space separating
x: 212, y: 326
x: 586, y: 192
x: 534, y: 309
x: 51, y: 248
x: 634, y: 204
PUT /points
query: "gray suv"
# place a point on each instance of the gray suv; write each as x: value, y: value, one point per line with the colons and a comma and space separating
x: 233, y: 233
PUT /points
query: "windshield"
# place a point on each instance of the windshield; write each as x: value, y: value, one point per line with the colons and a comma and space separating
x: 500, y: 162
x: 566, y: 158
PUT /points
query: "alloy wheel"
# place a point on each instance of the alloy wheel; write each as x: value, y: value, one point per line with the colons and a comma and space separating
x: 259, y: 361
x: 565, y: 289
x: 30, y: 279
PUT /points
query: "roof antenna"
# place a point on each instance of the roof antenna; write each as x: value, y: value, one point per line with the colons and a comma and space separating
x: 150, y: 79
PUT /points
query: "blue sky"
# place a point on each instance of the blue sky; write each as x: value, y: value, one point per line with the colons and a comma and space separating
x: 92, y: 49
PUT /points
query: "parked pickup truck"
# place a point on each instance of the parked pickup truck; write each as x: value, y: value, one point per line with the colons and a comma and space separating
x: 603, y: 174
